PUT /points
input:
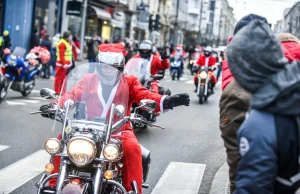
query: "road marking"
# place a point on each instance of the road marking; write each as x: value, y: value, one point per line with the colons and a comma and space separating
x: 3, y: 147
x: 37, y: 98
x: 35, y: 91
x: 220, y: 182
x: 180, y: 178
x: 190, y: 82
x: 9, y: 102
x: 219, y: 83
x: 17, y: 174
x: 28, y: 101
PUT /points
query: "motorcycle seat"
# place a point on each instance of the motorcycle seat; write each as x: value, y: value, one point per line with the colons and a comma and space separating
x: 146, y: 159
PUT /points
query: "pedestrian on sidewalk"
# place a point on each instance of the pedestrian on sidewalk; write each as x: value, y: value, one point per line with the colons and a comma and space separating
x: 234, y: 104
x: 269, y: 138
x: 46, y: 67
x: 64, y: 60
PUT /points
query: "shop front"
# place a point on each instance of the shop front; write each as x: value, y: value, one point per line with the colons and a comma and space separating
x: 98, y: 22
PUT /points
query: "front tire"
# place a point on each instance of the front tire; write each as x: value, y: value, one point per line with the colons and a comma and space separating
x: 28, y: 90
x: 201, y: 95
x: 4, y: 88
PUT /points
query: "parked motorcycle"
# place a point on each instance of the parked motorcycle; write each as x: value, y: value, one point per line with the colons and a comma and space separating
x: 91, y: 137
x: 19, y: 75
x: 204, y: 89
x: 176, y: 67
x: 140, y: 68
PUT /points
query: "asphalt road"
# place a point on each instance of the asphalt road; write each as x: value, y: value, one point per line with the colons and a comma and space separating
x: 191, y: 136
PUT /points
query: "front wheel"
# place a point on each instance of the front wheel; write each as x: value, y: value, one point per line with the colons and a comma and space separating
x: 28, y: 90
x: 201, y: 95
x: 4, y: 88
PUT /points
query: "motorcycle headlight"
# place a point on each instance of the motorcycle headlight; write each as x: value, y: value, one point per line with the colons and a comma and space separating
x: 81, y: 151
x: 203, y: 75
x: 191, y: 62
x: 111, y: 152
x: 52, y: 145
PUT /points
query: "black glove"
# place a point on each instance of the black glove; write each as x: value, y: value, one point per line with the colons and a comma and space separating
x: 164, y: 55
x: 176, y: 100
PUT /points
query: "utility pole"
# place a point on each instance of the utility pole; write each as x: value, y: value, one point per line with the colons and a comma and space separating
x: 83, y: 29
x: 200, y: 23
x: 58, y: 19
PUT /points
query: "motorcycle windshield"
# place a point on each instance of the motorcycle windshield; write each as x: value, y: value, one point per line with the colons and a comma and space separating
x: 19, y: 52
x: 138, y: 67
x: 87, y: 97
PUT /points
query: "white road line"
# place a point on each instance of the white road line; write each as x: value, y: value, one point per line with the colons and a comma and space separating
x: 219, y: 83
x: 37, y: 98
x: 28, y: 101
x: 190, y: 82
x: 3, y: 147
x: 9, y: 102
x: 180, y: 178
x: 16, y: 174
x: 35, y: 91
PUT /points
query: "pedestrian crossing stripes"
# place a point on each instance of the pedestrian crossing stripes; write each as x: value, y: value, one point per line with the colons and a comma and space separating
x: 177, y: 178
x: 17, y: 174
x: 24, y: 101
x: 180, y: 178
x: 3, y: 147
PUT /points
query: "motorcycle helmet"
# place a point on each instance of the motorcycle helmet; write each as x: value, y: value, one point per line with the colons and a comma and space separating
x: 5, y: 33
x: 32, y: 58
x: 145, y: 49
x: 111, y: 63
x: 208, y: 51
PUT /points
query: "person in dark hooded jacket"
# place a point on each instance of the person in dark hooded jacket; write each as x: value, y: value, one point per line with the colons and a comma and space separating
x: 269, y: 137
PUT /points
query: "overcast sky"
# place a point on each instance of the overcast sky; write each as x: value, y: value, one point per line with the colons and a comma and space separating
x: 271, y: 9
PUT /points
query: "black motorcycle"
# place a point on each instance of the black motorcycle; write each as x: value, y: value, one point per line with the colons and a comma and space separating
x: 140, y: 68
x: 204, y: 89
x: 90, y: 146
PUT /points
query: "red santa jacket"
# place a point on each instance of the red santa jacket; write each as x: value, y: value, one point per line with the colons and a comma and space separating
x: 88, y: 88
x: 211, y: 62
x: 156, y: 64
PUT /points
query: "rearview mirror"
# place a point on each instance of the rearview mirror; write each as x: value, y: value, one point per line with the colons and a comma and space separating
x: 120, y: 110
x: 69, y: 104
x: 47, y: 93
x: 149, y: 105
x: 158, y: 77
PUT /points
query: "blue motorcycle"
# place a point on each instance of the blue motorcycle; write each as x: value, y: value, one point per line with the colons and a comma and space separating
x: 19, y: 74
x: 176, y: 67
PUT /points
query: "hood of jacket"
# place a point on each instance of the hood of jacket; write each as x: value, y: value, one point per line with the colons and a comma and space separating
x: 281, y: 93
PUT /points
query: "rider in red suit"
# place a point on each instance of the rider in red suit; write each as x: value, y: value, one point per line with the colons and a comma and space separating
x: 111, y: 54
x: 157, y: 63
x: 210, y: 61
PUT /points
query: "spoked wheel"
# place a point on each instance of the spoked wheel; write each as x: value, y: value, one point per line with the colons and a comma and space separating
x: 28, y: 90
x: 4, y: 88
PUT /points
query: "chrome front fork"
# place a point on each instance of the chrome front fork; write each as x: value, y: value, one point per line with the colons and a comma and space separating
x: 98, y: 179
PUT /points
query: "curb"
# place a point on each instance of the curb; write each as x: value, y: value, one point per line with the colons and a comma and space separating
x: 220, y: 184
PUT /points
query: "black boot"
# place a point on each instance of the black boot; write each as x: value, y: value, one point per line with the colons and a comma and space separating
x: 212, y: 88
x: 196, y: 85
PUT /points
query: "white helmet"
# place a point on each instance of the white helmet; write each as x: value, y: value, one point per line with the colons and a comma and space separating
x: 31, y: 56
x: 208, y: 49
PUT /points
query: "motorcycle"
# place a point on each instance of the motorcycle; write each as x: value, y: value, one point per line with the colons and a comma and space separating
x: 190, y: 65
x: 19, y: 75
x: 140, y: 68
x: 91, y: 136
x: 204, y: 89
x: 176, y: 67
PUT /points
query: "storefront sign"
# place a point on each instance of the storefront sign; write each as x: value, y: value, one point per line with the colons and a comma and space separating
x: 74, y: 8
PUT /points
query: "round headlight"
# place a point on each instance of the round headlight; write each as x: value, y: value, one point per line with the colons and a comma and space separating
x: 52, y: 145
x: 111, y: 152
x: 203, y: 75
x: 191, y: 62
x: 81, y: 151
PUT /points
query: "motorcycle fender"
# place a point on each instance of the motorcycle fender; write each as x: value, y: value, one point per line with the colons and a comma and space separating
x: 33, y: 73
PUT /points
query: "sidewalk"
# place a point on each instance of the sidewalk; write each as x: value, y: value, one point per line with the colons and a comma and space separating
x: 220, y: 184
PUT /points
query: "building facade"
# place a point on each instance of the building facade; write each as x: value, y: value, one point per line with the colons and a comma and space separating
x: 292, y: 20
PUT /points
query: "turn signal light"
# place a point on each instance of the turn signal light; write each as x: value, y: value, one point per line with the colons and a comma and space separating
x: 108, y: 174
x: 49, y: 167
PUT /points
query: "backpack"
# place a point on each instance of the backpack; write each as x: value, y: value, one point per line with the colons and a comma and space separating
x: 288, y: 147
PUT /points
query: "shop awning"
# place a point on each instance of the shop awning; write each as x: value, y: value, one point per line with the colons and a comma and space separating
x: 101, y: 13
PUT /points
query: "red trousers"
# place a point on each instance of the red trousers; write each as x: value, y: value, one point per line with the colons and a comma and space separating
x: 154, y: 87
x: 132, y: 162
x: 60, y: 75
x: 213, y: 78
